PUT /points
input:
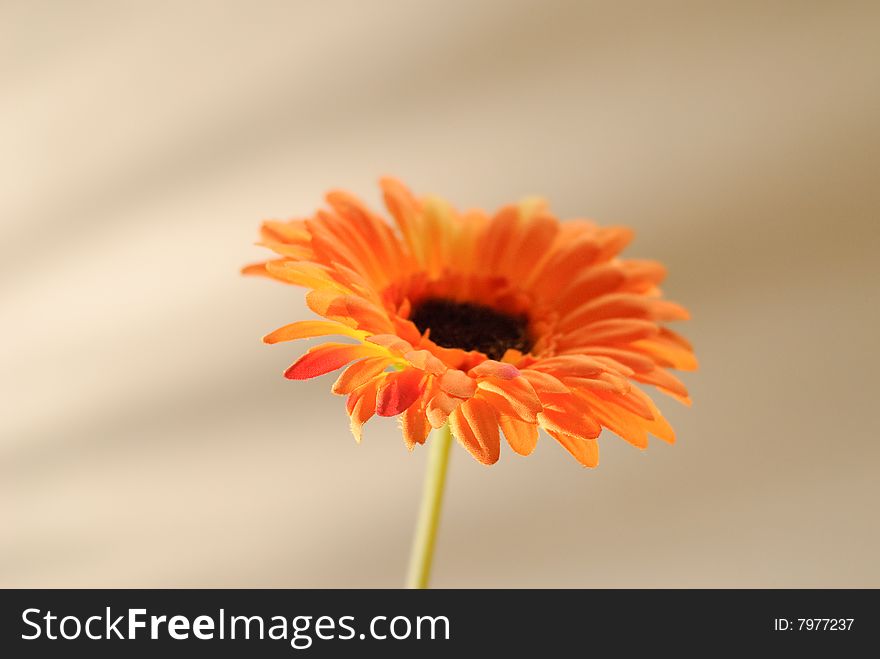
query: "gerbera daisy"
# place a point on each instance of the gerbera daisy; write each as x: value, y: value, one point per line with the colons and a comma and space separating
x: 492, y: 324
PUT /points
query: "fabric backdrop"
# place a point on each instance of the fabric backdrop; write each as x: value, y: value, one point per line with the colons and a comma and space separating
x: 147, y: 437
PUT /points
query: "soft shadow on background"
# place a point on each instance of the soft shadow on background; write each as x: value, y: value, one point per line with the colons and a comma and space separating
x: 147, y: 437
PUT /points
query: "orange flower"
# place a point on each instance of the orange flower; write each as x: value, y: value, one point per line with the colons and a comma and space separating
x: 496, y: 324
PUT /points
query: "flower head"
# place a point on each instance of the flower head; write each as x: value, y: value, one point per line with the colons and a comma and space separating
x: 496, y: 324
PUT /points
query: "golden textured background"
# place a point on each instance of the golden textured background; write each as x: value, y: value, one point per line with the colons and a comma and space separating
x: 147, y: 437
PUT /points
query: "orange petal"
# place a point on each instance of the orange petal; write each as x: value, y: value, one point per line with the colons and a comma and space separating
x: 378, y: 233
x: 438, y: 218
x: 522, y: 436
x: 306, y: 329
x: 392, y: 342
x: 579, y: 366
x: 634, y: 401
x: 398, y: 391
x: 575, y: 423
x: 676, y: 338
x: 604, y: 382
x: 622, y: 423
x: 414, y: 425
x: 518, y: 392
x: 405, y: 329
x: 321, y: 300
x: 503, y: 407
x: 612, y: 330
x: 452, y: 357
x: 361, y: 406
x: 585, y: 451
x: 495, y: 244
x: 291, y: 232
x: 664, y: 381
x: 358, y: 283
x: 571, y: 256
x: 457, y: 383
x: 440, y: 406
x: 325, y: 358
x: 406, y: 210
x: 258, y: 269
x: 295, y: 252
x: 633, y: 360
x: 658, y: 425
x: 667, y: 353
x: 613, y: 240
x: 642, y: 275
x: 613, y: 366
x: 475, y: 425
x: 305, y: 273
x: 424, y: 360
x: 660, y: 428
x: 335, y: 241
x: 366, y: 314
x: 591, y: 283
x: 544, y: 383
x: 359, y: 374
x: 494, y: 369
x: 536, y: 238
x: 623, y: 305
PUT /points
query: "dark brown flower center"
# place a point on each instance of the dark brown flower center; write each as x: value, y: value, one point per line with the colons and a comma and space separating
x: 471, y: 327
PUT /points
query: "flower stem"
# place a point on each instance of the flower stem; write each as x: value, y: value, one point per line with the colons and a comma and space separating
x: 429, y: 513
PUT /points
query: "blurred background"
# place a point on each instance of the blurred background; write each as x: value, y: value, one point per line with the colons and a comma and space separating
x: 147, y: 437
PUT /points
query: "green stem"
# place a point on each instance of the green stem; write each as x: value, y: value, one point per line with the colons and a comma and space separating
x: 429, y: 514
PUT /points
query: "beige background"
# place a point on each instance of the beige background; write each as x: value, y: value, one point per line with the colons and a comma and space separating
x: 147, y: 437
